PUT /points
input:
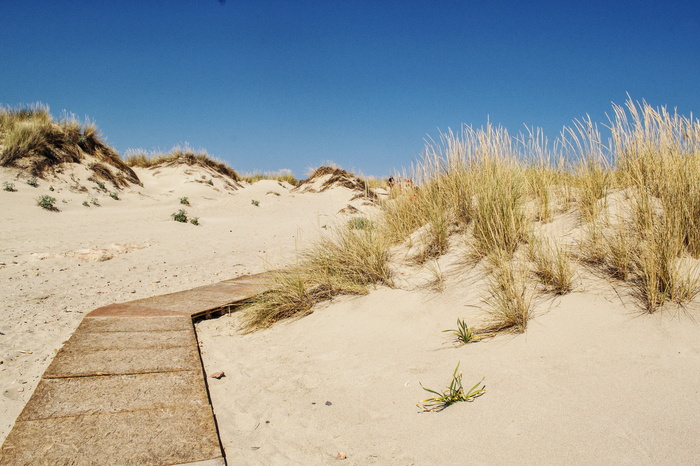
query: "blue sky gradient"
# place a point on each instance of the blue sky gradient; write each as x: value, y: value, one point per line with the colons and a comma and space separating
x: 266, y: 85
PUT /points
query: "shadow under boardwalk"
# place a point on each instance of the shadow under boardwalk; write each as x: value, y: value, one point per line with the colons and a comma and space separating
x: 129, y: 387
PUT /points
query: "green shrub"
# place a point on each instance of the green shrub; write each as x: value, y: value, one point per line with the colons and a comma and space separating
x: 184, y: 201
x: 255, y: 203
x: 180, y: 216
x: 46, y: 202
x: 32, y: 182
x: 114, y: 195
x: 85, y: 203
x: 95, y: 202
x: 7, y: 186
x: 194, y: 220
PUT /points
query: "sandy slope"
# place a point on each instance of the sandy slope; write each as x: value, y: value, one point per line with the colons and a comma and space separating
x: 57, y: 266
x: 592, y: 381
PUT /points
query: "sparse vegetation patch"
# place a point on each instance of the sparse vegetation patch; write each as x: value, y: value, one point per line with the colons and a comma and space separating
x: 454, y: 393
x: 180, y: 216
x: 46, y: 202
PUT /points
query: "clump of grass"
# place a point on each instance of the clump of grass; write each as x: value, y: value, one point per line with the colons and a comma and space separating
x: 94, y: 201
x: 438, y: 276
x: 85, y: 203
x: 347, y: 262
x: 101, y: 186
x: 255, y: 203
x: 279, y: 176
x: 184, y: 201
x: 33, y: 182
x: 180, y: 216
x: 194, y: 220
x: 454, y: 393
x: 180, y: 155
x: 463, y: 333
x: 46, y: 202
x: 114, y: 195
x: 509, y: 306
x: 8, y: 186
x: 552, y: 264
x: 33, y: 141
x: 360, y: 223
x: 210, y: 182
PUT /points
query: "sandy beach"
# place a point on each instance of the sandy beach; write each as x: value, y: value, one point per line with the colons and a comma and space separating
x: 592, y: 380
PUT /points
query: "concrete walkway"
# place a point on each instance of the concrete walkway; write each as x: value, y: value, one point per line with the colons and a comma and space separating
x: 129, y: 387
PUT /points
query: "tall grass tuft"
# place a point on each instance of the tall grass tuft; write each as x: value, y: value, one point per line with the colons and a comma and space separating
x: 346, y: 263
x: 553, y: 264
x: 509, y: 307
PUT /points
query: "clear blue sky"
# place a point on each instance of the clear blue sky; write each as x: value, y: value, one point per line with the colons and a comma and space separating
x: 266, y: 84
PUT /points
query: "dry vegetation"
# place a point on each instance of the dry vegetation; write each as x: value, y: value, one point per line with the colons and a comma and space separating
x: 282, y: 175
x: 637, y: 201
x: 32, y: 141
x: 179, y: 155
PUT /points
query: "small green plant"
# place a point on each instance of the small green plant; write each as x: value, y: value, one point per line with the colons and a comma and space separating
x: 360, y: 223
x: 10, y: 187
x: 184, y: 201
x: 210, y: 182
x: 85, y: 203
x: 101, y: 185
x: 453, y: 394
x: 255, y: 203
x: 95, y: 202
x: 194, y: 220
x: 32, y: 182
x: 114, y: 195
x: 46, y: 202
x: 204, y: 177
x: 463, y: 333
x: 180, y: 216
x: 51, y: 188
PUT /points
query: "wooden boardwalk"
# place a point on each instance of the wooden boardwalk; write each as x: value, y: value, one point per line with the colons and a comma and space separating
x: 129, y: 387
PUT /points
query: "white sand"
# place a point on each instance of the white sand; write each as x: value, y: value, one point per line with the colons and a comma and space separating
x: 592, y: 381
x: 55, y: 267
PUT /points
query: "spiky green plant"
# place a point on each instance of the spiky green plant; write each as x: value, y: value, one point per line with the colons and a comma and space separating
x: 454, y: 393
x: 463, y: 333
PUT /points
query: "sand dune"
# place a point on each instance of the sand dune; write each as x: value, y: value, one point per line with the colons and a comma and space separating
x: 592, y: 380
x: 57, y: 266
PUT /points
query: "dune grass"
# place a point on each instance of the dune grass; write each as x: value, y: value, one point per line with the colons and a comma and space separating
x: 635, y: 198
x: 33, y: 141
x: 178, y: 155
x: 281, y: 175
x: 347, y: 262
